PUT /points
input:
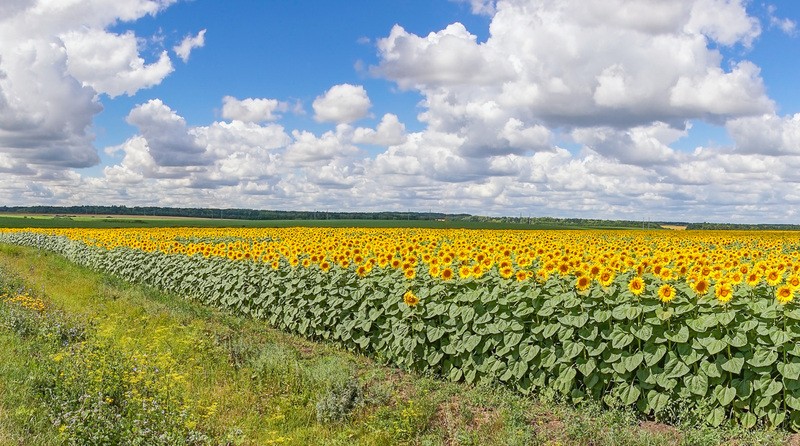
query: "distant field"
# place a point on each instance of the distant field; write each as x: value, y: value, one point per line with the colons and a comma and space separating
x: 128, y: 221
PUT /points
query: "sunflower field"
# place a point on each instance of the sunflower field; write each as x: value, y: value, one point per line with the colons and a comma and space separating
x: 659, y: 321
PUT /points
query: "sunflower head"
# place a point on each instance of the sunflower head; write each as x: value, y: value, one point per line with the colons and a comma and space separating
x: 784, y: 294
x: 701, y: 287
x: 636, y: 286
x: 583, y: 282
x: 666, y: 293
x: 606, y: 277
x: 410, y: 298
x: 723, y: 292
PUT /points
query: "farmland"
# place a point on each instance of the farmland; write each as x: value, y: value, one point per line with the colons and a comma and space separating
x: 677, y: 327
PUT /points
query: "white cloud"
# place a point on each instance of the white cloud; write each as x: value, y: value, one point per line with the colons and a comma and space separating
x: 725, y: 21
x: 788, y: 26
x: 55, y: 58
x: 184, y: 49
x: 390, y: 132
x: 341, y: 104
x: 168, y: 139
x: 307, y: 148
x: 481, y: 7
x: 252, y: 110
x: 767, y: 135
x: 448, y: 57
x: 110, y: 63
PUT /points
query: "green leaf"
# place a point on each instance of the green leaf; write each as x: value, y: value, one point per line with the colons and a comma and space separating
x: 790, y: 370
x: 653, y: 353
x: 724, y: 395
x: 550, y: 330
x: 435, y: 333
x: 632, y: 361
x: 710, y: 369
x: 792, y: 401
x: 471, y: 342
x: 763, y: 357
x: 645, y: 332
x: 529, y: 352
x: 601, y: 316
x: 586, y: 366
x: 738, y: 340
x: 434, y: 357
x: 733, y: 365
x: 511, y: 339
x: 748, y: 420
x: 681, y: 336
x: 675, y: 368
x: 520, y: 368
x: 773, y: 388
x: 620, y: 339
x: 713, y: 345
x: 697, y: 384
x: 779, y: 337
x: 455, y: 374
x: 572, y: 349
x: 716, y: 416
x: 629, y: 394
x: 657, y: 401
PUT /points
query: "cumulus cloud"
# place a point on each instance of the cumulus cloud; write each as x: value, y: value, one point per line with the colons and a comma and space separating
x: 567, y: 108
x: 110, y: 63
x: 252, y: 110
x: 166, y: 134
x: 308, y: 148
x: 768, y: 134
x: 184, y: 49
x: 342, y: 104
x: 55, y: 59
x: 390, y: 132
x: 573, y: 64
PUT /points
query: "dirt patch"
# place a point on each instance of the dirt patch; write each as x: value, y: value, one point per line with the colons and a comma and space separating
x: 671, y: 433
x: 793, y: 440
x: 674, y: 227
x: 549, y: 426
x: 456, y: 415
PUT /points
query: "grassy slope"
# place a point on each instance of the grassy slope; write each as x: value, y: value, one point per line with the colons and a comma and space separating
x: 267, y: 383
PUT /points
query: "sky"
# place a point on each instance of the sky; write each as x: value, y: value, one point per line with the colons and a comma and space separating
x: 687, y: 110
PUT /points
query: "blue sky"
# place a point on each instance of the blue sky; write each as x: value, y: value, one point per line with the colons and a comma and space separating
x: 633, y: 109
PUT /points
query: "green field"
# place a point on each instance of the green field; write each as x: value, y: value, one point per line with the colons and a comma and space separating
x: 84, y: 221
x: 266, y: 387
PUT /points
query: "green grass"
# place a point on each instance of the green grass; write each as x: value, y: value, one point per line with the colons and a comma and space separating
x: 46, y: 221
x: 269, y: 387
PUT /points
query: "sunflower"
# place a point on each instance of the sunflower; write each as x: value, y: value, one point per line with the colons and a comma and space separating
x: 784, y: 294
x: 701, y: 287
x: 447, y: 273
x: 583, y: 282
x: 410, y: 273
x: 666, y: 293
x: 723, y: 292
x: 410, y: 298
x: 793, y: 282
x: 522, y: 276
x: 774, y: 277
x: 636, y: 286
x: 506, y: 273
x: 464, y: 272
x: 606, y: 277
x: 753, y: 279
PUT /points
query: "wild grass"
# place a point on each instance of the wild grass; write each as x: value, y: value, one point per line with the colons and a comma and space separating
x: 239, y: 382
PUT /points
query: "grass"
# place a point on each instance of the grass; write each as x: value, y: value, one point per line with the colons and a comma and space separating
x: 82, y: 221
x: 251, y: 385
